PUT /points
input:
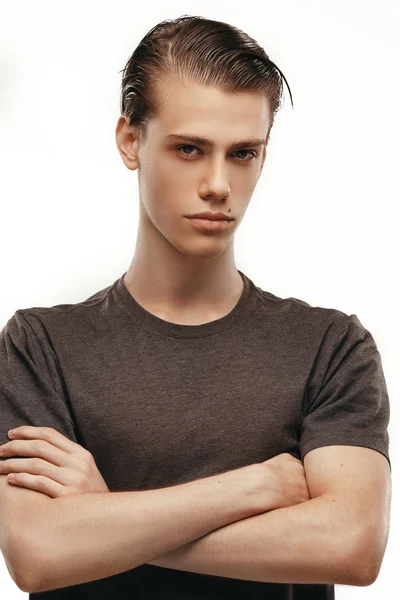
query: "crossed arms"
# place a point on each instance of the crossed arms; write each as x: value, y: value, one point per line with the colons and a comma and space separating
x: 339, y: 536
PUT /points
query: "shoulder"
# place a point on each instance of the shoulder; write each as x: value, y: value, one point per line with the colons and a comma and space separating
x: 307, y: 318
x: 33, y: 321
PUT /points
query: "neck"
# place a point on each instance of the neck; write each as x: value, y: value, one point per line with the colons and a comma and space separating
x: 177, y: 287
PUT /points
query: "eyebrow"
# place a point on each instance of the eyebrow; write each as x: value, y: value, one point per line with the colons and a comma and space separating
x: 209, y: 143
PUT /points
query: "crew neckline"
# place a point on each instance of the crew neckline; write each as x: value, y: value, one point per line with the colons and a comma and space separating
x: 187, y: 331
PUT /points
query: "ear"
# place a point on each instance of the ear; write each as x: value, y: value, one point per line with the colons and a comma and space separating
x: 127, y: 143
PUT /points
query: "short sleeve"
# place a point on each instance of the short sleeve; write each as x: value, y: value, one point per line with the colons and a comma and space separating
x: 31, y: 392
x: 347, y: 398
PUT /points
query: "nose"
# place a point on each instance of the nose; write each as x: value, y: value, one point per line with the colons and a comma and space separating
x: 216, y: 181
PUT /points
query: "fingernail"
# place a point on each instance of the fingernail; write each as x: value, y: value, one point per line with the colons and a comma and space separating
x: 11, y: 432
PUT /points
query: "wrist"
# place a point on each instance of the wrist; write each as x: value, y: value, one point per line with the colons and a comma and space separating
x: 247, y: 488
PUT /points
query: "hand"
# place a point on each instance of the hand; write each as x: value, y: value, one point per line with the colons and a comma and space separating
x: 286, y: 481
x: 60, y: 467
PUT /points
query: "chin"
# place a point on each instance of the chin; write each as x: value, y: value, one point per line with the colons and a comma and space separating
x: 203, y: 248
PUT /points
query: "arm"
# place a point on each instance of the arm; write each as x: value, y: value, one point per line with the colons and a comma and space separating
x: 339, y: 536
x: 85, y: 537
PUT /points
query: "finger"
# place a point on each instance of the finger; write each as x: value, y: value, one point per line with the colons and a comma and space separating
x: 37, y: 483
x: 48, y: 434
x: 38, y: 448
x: 37, y: 466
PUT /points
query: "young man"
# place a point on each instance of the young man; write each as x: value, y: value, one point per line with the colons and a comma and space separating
x: 182, y: 376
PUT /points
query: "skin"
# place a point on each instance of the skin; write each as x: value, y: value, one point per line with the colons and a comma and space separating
x: 178, y: 272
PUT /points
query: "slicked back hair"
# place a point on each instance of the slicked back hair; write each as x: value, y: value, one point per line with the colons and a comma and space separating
x: 198, y: 51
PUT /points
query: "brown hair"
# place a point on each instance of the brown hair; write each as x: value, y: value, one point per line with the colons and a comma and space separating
x: 197, y: 50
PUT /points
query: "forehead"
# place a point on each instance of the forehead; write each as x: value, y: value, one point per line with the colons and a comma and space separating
x: 208, y: 111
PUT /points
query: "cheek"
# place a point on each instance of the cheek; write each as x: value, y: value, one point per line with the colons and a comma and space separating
x: 171, y: 191
x: 163, y: 198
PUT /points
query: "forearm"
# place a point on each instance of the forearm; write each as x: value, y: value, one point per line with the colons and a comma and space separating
x: 296, y: 544
x: 91, y: 536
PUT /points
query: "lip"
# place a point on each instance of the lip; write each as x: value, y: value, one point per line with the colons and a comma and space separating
x: 211, y: 215
x: 209, y: 224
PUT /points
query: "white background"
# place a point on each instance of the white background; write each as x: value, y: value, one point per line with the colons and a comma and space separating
x: 323, y: 222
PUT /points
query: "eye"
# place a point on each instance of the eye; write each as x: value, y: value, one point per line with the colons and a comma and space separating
x: 252, y: 153
x: 186, y: 146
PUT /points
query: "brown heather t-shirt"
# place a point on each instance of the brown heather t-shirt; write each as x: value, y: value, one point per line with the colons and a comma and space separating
x: 159, y: 403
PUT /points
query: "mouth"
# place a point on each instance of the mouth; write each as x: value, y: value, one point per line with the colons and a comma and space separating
x: 209, y: 224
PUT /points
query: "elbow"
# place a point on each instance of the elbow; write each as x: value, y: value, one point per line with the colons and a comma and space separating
x: 23, y: 584
x: 365, y: 575
x: 362, y: 563
x: 370, y: 567
x: 26, y: 563
x: 371, y: 550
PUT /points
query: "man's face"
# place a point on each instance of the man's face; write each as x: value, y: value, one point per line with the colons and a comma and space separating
x: 179, y: 177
